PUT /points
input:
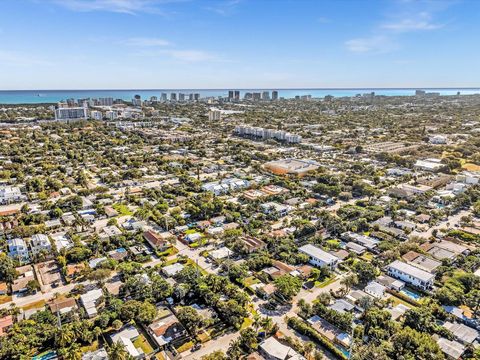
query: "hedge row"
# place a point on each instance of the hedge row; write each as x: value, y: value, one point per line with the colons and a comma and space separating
x: 305, y: 329
x: 404, y: 297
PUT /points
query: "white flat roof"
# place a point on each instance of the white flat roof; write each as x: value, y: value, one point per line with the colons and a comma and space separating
x: 313, y: 251
x: 411, y: 270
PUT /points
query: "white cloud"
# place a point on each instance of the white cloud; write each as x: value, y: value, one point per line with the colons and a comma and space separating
x: 119, y: 6
x: 374, y: 44
x: 420, y: 22
x: 146, y: 42
x: 224, y: 8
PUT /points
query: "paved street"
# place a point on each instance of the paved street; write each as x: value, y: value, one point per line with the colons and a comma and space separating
x: 452, y: 221
x: 194, y: 254
x: 222, y: 342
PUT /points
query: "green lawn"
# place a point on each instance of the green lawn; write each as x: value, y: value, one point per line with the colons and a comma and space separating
x: 92, y: 347
x: 202, y: 270
x: 185, y: 347
x: 202, y: 241
x: 143, y: 344
x: 397, y: 301
x: 169, y: 252
x: 159, y: 356
x: 333, y: 242
x: 325, y: 282
x: 249, y: 281
x: 204, y: 337
x: 35, y: 305
x: 122, y: 209
x: 171, y: 262
x: 367, y: 256
x: 246, y: 323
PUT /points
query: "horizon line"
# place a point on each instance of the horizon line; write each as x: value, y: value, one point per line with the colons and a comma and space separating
x: 259, y: 88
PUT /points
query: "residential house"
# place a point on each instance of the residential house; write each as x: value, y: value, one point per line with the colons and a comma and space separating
x: 421, y: 261
x: 158, y: 241
x: 411, y: 275
x: 252, y: 244
x: 25, y: 274
x: 397, y: 311
x: 193, y: 237
x: 62, y: 305
x: 17, y: 249
x: 272, y: 349
x: 62, y: 241
x: 375, y: 289
x: 10, y: 194
x: 363, y: 240
x: 390, y: 282
x: 429, y: 164
x: 342, y: 306
x: 355, y: 248
x: 89, y: 301
x: 166, y: 328
x: 451, y: 348
x: 6, y: 323
x: 53, y: 224
x: 218, y: 220
x: 318, y: 257
x: 100, y: 354
x: 463, y: 333
x: 215, y: 231
x: 276, y: 208
x: 220, y: 253
x: 39, y: 243
x: 109, y: 232
x: 126, y: 337
x: 172, y: 270
x: 118, y: 254
x: 93, y: 263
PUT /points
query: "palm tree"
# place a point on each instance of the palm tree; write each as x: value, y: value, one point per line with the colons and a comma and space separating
x: 73, y: 352
x: 266, y: 323
x: 349, y: 281
x: 117, y: 351
x: 13, y: 310
x: 234, y: 350
x: 64, y: 336
x: 256, y: 322
x: 97, y: 332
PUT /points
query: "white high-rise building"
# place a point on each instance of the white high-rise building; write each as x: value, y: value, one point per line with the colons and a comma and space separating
x: 71, y: 113
x: 214, y: 115
x: 266, y: 134
x: 96, y: 115
x: 105, y: 101
x: 111, y: 115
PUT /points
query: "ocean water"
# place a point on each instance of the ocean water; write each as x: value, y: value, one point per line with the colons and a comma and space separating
x: 53, y: 96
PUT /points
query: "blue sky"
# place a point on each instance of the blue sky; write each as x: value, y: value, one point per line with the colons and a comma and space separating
x: 104, y: 44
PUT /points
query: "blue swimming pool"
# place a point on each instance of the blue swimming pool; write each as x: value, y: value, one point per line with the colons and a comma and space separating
x: 411, y: 294
x: 50, y: 355
x: 343, y: 350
